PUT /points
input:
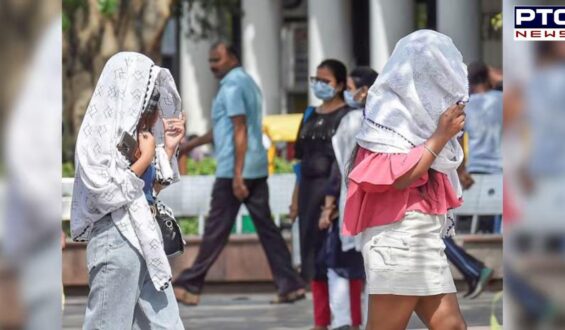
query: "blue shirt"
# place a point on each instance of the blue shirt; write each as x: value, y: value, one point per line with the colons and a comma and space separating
x: 483, y: 125
x: 238, y: 95
x: 148, y: 178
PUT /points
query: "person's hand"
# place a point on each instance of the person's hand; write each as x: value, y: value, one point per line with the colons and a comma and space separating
x: 293, y: 212
x: 466, y: 180
x: 451, y: 122
x: 326, y: 217
x: 174, y: 133
x: 240, y: 189
x: 146, y: 143
x: 186, y: 147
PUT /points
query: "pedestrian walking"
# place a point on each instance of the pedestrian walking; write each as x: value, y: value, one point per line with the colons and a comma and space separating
x: 404, y: 182
x: 346, y: 291
x: 241, y: 178
x: 128, y: 272
x: 318, y: 187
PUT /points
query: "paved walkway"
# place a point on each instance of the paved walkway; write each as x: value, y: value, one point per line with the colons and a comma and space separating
x: 253, y: 312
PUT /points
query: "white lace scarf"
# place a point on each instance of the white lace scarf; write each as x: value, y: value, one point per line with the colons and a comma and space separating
x: 104, y: 184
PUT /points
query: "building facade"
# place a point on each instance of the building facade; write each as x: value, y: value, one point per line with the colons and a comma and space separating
x: 282, y: 42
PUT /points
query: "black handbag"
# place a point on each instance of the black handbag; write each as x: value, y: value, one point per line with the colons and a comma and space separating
x: 173, y: 243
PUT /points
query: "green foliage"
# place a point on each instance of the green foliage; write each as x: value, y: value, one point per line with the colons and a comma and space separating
x: 66, y: 227
x: 282, y: 166
x: 66, y: 22
x: 207, y: 166
x: 108, y: 7
x: 68, y: 170
x: 73, y: 4
x: 188, y: 225
x: 69, y: 7
x: 496, y: 22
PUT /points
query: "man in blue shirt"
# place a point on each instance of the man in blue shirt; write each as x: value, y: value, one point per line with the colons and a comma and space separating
x: 241, y: 177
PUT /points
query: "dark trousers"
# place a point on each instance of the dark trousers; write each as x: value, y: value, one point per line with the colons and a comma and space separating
x: 468, y: 265
x: 223, y: 212
x: 310, y: 198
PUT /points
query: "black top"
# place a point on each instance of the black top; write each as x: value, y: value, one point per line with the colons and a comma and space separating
x: 314, y: 147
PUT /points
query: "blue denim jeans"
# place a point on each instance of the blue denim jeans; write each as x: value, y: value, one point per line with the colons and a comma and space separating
x: 122, y: 295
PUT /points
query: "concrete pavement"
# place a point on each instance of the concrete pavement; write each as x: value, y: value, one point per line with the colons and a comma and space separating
x: 252, y: 311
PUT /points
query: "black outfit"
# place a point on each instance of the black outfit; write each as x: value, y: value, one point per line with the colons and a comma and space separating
x: 223, y: 212
x: 320, y: 176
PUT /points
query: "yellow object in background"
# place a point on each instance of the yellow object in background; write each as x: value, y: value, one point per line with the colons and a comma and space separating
x: 282, y: 128
x: 494, y: 323
x: 271, y: 150
x: 279, y: 128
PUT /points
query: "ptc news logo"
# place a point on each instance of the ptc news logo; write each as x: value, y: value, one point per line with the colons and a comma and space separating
x: 539, y: 23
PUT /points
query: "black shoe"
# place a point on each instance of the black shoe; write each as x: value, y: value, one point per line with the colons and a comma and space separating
x: 486, y: 275
x: 290, y: 297
x: 471, y: 285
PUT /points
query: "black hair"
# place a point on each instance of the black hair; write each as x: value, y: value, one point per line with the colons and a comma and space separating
x: 153, y: 103
x: 478, y: 73
x: 150, y: 110
x: 339, y: 71
x: 232, y: 49
x: 363, y: 76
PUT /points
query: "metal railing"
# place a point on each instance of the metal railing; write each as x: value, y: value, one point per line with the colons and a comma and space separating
x: 191, y: 198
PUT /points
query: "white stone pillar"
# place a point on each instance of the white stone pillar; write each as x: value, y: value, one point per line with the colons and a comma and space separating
x: 389, y: 22
x: 261, y: 49
x: 460, y: 20
x: 198, y: 84
x: 329, y: 35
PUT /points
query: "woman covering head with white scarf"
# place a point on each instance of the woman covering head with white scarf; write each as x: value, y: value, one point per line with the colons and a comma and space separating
x: 424, y: 76
x: 109, y: 207
x: 404, y: 182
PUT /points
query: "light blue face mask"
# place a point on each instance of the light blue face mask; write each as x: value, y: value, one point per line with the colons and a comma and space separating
x: 323, y: 91
x: 350, y: 100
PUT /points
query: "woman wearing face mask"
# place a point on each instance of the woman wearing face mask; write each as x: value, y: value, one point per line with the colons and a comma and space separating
x: 404, y: 183
x: 358, y: 84
x: 319, y: 177
x: 346, y: 285
x: 128, y: 270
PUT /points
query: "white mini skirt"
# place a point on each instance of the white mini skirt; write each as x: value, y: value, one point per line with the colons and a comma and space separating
x: 407, y: 257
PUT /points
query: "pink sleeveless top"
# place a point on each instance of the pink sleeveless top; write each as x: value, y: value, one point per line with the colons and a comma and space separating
x: 373, y: 201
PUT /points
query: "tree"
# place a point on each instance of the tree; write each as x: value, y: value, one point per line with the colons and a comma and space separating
x: 94, y: 30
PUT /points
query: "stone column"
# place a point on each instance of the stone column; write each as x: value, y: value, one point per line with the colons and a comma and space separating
x: 329, y: 35
x: 460, y: 19
x: 199, y: 85
x: 261, y: 49
x: 389, y: 22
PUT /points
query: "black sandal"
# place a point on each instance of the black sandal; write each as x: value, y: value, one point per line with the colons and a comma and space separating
x: 290, y: 297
